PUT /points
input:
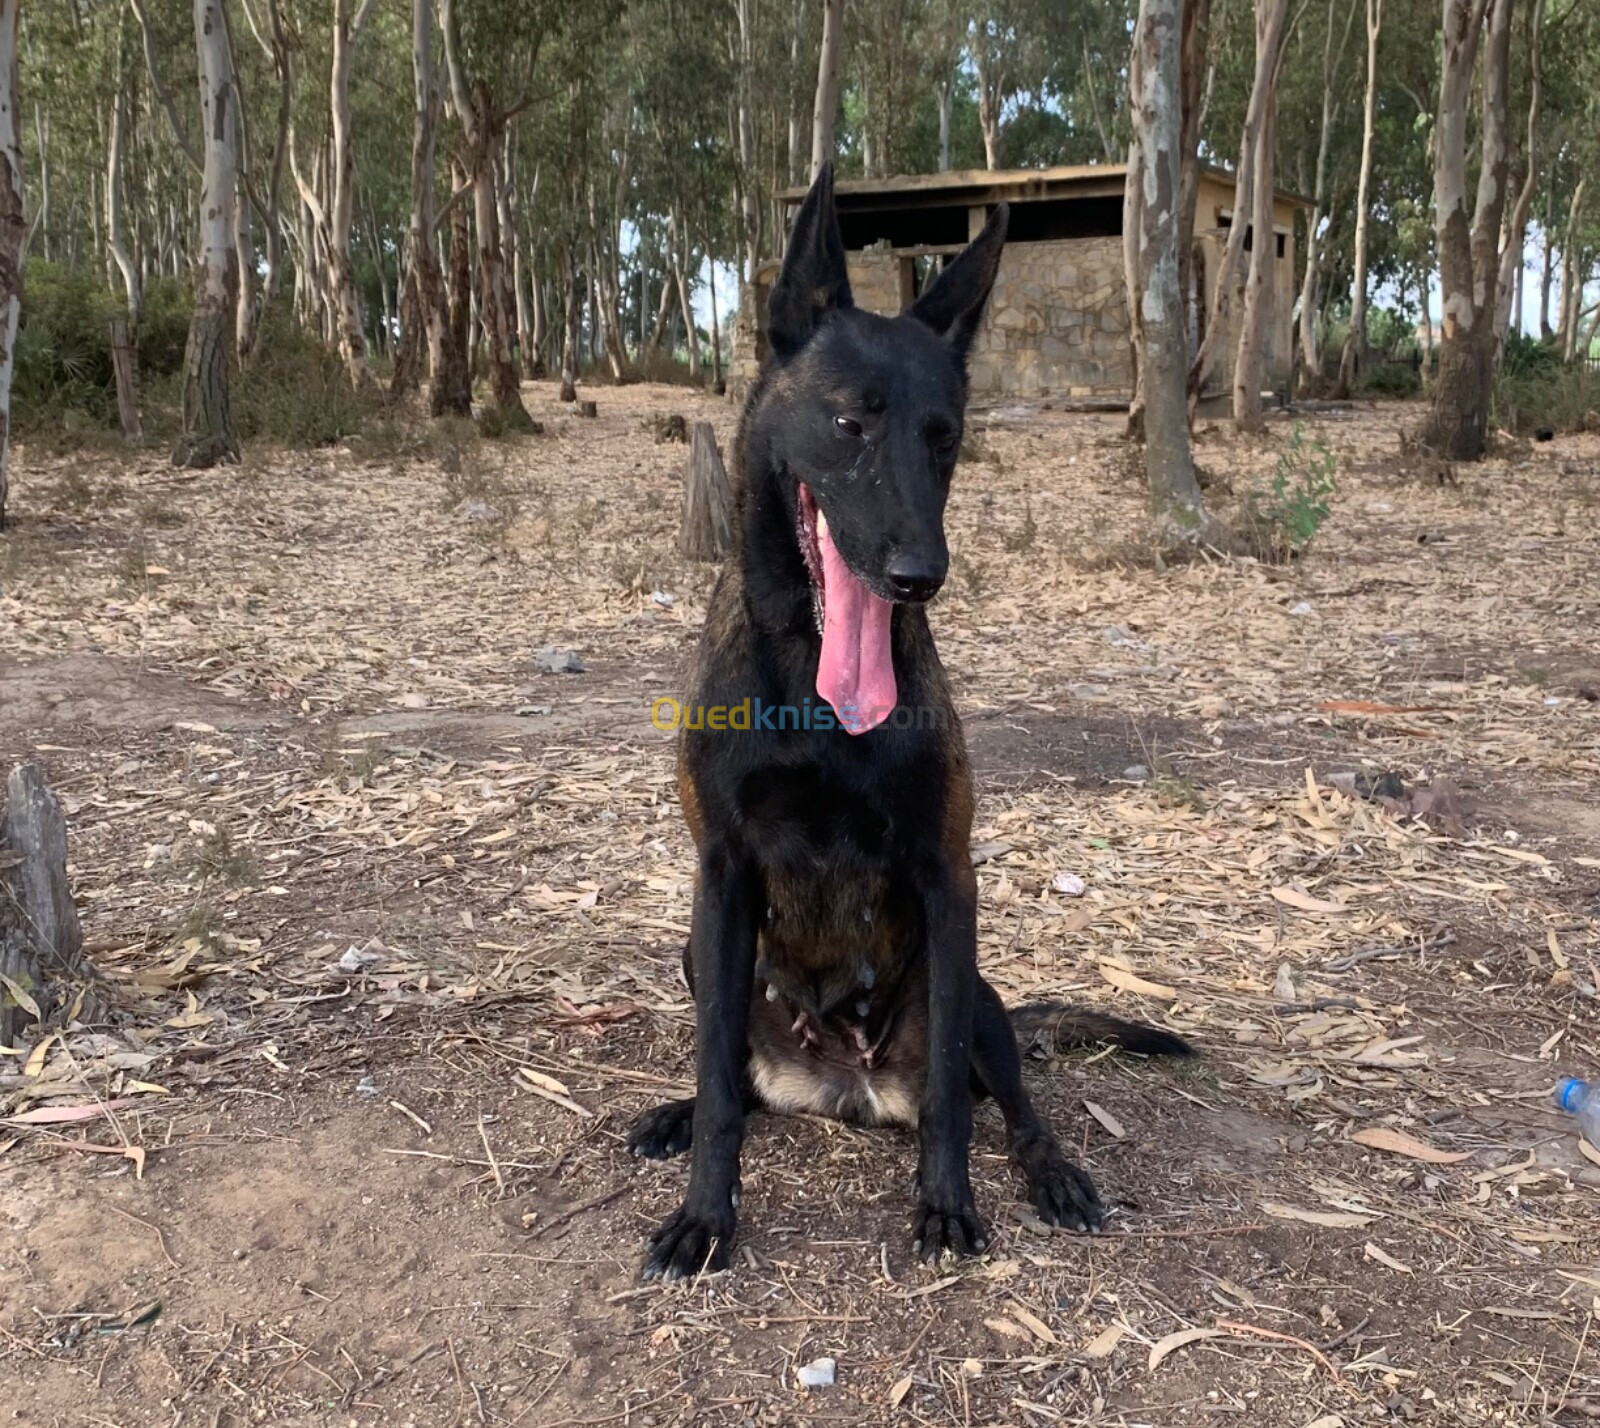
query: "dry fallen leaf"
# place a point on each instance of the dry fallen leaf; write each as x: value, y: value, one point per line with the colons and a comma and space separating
x: 1127, y: 981
x: 1034, y: 1325
x: 1304, y: 902
x: 1587, y: 1151
x: 898, y: 1393
x: 545, y: 1087
x: 1331, y: 1219
x: 1104, y: 1344
x: 1110, y: 1122
x: 1387, y: 1260
x: 1006, y: 1328
x: 1398, y: 1143
x: 1162, y: 1347
x: 63, y: 1115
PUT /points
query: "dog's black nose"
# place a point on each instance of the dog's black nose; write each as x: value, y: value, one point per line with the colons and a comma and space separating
x: 913, y: 580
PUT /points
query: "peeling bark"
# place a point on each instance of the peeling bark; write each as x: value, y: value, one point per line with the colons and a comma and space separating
x: 1270, y: 15
x: 826, y: 106
x: 1354, y: 355
x: 13, y: 231
x: 208, y: 432
x: 1469, y: 249
x: 1177, y: 508
x: 1310, y: 350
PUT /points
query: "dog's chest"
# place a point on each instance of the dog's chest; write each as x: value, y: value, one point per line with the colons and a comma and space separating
x: 840, y: 907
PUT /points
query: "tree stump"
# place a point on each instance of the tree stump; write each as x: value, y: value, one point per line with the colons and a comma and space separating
x: 707, y: 529
x: 584, y: 408
x: 125, y: 365
x: 41, y: 939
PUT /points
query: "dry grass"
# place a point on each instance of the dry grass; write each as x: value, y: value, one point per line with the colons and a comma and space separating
x: 295, y: 718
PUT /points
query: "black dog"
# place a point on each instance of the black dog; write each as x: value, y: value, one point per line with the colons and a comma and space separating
x: 833, y: 952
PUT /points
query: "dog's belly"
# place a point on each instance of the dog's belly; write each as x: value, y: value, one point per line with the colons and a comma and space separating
x: 830, y: 1074
x: 833, y: 1080
x: 862, y: 1097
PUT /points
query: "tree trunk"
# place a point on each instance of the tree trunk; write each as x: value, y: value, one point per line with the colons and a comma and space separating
x: 678, y: 249
x: 1571, y: 277
x: 750, y: 248
x: 422, y: 308
x: 1469, y: 251
x: 706, y: 531
x: 13, y: 231
x: 1176, y: 506
x: 989, y: 98
x: 1546, y: 332
x: 826, y: 107
x: 132, y: 283
x: 1310, y: 353
x: 208, y: 432
x: 1194, y: 77
x: 792, y: 173
x: 527, y: 332
x: 1354, y: 356
x: 341, y: 207
x: 504, y: 385
x: 947, y: 88
x: 41, y: 938
x: 1511, y: 257
x: 41, y: 128
x: 1133, y: 276
x: 716, y: 330
x: 1255, y: 320
x: 125, y: 368
x: 569, y: 340
x: 1263, y: 89
x: 451, y: 393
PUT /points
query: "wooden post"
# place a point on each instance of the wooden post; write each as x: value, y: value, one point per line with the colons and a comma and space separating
x: 41, y: 939
x: 707, y: 529
x: 124, y: 362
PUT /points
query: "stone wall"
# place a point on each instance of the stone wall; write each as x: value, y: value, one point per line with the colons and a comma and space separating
x: 1057, y: 323
x: 875, y: 280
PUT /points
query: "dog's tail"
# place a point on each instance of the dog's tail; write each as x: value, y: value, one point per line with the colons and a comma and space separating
x: 1054, y: 1027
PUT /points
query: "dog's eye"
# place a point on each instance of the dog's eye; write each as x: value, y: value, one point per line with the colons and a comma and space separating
x: 848, y: 425
x: 944, y: 440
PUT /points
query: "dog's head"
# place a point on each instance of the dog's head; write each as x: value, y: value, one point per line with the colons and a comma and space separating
x: 863, y: 415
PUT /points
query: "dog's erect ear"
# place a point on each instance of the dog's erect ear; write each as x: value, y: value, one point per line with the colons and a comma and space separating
x: 953, y: 306
x: 813, y: 277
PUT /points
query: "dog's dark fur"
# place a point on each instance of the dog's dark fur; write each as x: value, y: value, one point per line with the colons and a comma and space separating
x: 833, y: 954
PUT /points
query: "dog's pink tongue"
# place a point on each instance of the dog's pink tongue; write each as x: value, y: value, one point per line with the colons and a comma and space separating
x: 856, y: 673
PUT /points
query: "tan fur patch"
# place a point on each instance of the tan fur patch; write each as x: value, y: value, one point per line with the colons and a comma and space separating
x: 793, y: 1087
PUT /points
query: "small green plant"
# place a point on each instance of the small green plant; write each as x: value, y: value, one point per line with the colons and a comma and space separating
x: 1020, y: 541
x: 1299, y: 498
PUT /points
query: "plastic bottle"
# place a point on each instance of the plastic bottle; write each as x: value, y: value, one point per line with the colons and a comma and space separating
x: 1581, y: 1099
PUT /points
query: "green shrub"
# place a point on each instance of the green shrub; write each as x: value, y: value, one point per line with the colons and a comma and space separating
x: 63, y: 374
x: 1284, y: 523
x: 1561, y: 397
x: 63, y: 352
x: 164, y: 326
x: 1391, y: 379
x: 294, y: 390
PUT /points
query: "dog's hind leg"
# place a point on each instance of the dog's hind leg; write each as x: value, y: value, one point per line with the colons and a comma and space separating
x: 1061, y: 1192
x: 668, y: 1129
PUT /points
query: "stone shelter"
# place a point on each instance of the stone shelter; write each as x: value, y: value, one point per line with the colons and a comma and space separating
x: 1057, y: 325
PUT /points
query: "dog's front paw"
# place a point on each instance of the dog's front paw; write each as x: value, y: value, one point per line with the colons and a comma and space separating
x: 1063, y: 1194
x: 663, y: 1131
x: 954, y: 1228
x: 688, y: 1243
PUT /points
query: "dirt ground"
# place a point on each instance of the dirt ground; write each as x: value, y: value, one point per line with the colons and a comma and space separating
x: 392, y: 921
